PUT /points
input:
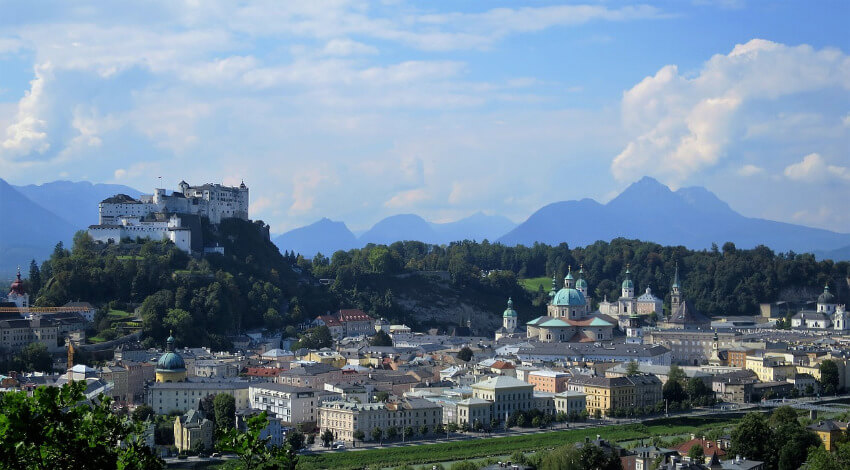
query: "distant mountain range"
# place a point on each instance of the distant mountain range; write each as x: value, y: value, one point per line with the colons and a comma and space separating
x: 646, y: 210
x: 36, y: 217
x: 327, y: 236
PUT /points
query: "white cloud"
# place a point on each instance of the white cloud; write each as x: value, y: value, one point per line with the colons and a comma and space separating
x: 29, y: 132
x: 681, y: 125
x: 346, y: 47
x: 750, y: 170
x: 813, y: 168
x: 407, y: 199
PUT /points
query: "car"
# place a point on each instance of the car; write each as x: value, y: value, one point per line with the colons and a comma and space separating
x: 339, y: 446
x: 215, y: 455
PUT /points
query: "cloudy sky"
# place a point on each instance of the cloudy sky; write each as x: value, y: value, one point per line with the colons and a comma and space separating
x: 357, y: 110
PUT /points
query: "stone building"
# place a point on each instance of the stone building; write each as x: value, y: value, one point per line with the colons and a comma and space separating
x: 193, y: 431
x: 345, y: 418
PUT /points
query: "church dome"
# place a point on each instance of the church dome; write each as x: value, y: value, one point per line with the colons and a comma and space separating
x: 627, y: 282
x: 569, y: 297
x: 510, y: 312
x: 170, y: 361
x: 826, y: 297
x: 581, y: 284
x: 17, y: 286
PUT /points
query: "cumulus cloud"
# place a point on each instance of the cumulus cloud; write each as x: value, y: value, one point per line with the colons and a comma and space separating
x: 813, y: 168
x: 29, y: 131
x: 346, y: 47
x: 407, y: 199
x: 681, y: 125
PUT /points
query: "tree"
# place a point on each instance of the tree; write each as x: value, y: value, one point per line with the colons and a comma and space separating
x: 377, y: 434
x: 381, y: 338
x: 315, y: 338
x: 696, y: 453
x: 423, y: 430
x: 465, y: 354
x: 752, y: 437
x: 821, y: 459
x: 57, y: 427
x: 673, y: 391
x: 142, y: 413
x: 327, y: 437
x: 225, y: 411
x: 829, y: 377
x: 392, y: 432
x: 34, y: 357
x: 253, y: 450
x: 382, y: 397
x: 632, y: 368
x: 696, y: 388
x: 452, y: 427
x: 34, y: 278
x: 407, y: 432
x: 207, y: 406
x: 676, y: 374
x: 359, y: 435
x: 588, y: 457
x: 295, y: 440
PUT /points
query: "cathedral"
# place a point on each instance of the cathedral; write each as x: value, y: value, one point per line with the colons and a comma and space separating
x: 569, y: 317
x: 628, y: 303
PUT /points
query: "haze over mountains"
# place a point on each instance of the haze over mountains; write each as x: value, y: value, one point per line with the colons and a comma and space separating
x: 38, y: 216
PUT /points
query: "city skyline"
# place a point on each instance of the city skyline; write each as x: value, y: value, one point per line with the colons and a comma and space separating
x: 357, y: 111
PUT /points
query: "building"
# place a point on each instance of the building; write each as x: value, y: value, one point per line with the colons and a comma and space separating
x: 120, y: 379
x: 582, y: 353
x: 293, y: 405
x: 193, y: 431
x: 827, y: 315
x: 607, y: 394
x: 683, y: 314
x: 274, y: 430
x: 830, y: 432
x: 170, y: 367
x: 771, y: 368
x: 310, y: 375
x: 571, y: 403
x: 17, y: 294
x: 165, y: 397
x: 347, y: 323
x: 691, y: 346
x: 345, y: 418
x: 212, y: 201
x: 510, y: 326
x: 548, y: 380
x: 568, y: 317
x: 136, y: 228
x: 215, y: 368
x: 735, y: 387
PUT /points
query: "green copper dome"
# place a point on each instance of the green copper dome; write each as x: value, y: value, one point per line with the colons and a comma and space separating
x: 826, y: 297
x: 627, y: 282
x: 170, y: 361
x: 510, y: 312
x: 581, y: 284
x: 569, y: 297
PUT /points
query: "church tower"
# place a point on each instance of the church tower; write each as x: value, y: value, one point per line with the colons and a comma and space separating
x: 509, y: 317
x: 628, y: 286
x: 581, y: 286
x: 170, y: 367
x: 675, y: 294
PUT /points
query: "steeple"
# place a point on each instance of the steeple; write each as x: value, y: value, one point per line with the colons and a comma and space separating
x: 628, y: 288
x: 675, y: 293
x: 169, y: 343
x: 569, y: 283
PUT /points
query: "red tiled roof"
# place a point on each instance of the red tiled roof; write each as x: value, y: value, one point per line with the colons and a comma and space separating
x: 502, y: 365
x: 353, y: 315
x: 330, y: 320
x: 708, y: 447
x: 264, y: 371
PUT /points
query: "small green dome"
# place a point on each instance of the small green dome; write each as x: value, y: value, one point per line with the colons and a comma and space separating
x: 581, y: 284
x: 171, y: 361
x: 569, y: 297
x: 510, y: 312
x: 826, y: 297
x: 628, y: 284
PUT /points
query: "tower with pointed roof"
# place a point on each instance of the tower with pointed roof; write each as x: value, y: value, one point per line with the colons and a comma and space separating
x: 675, y: 293
x: 17, y: 293
x: 581, y: 286
x: 509, y: 317
x: 628, y: 287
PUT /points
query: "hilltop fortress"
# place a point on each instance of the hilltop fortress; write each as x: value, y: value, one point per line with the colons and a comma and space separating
x: 175, y: 217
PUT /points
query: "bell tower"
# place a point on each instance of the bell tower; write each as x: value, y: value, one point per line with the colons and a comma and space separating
x: 675, y: 293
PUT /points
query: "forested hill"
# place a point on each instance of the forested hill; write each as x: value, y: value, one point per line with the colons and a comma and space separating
x: 203, y: 300
x: 726, y: 281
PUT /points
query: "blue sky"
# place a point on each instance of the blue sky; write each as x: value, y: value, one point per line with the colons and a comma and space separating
x: 358, y: 110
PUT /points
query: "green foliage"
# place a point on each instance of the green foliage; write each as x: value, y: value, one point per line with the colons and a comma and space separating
x: 327, y: 437
x: 142, y: 413
x: 465, y: 354
x: 391, y: 432
x: 225, y: 411
x: 465, y: 465
x: 377, y: 434
x: 821, y: 459
x: 295, y: 440
x: 359, y: 435
x: 588, y: 457
x: 315, y: 338
x: 252, y: 450
x: 781, y: 441
x: 34, y: 357
x: 381, y: 338
x: 632, y: 368
x: 382, y: 396
x: 696, y: 453
x: 829, y: 377
x: 58, y: 428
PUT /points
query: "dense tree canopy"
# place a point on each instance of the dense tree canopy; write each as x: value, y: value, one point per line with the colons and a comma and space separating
x: 57, y: 427
x: 781, y: 441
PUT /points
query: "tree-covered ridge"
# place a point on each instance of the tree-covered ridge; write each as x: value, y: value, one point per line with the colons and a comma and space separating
x: 725, y: 281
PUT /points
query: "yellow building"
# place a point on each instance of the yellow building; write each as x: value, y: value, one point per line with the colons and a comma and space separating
x: 830, y: 432
x: 771, y: 368
x: 193, y: 431
x: 331, y: 358
x: 170, y: 367
x: 605, y: 394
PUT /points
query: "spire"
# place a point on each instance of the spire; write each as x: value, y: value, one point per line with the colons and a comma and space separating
x: 510, y: 303
x: 676, y: 277
x: 169, y: 343
x: 569, y: 273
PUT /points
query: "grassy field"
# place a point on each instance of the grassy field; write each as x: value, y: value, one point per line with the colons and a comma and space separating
x: 532, y: 284
x: 118, y: 315
x: 481, y: 448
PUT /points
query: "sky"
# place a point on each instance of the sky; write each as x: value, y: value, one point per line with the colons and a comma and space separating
x: 358, y: 110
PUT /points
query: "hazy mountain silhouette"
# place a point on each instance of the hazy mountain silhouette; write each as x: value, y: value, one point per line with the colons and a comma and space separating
x: 648, y: 210
x: 76, y: 202
x: 324, y: 236
x: 28, y: 230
